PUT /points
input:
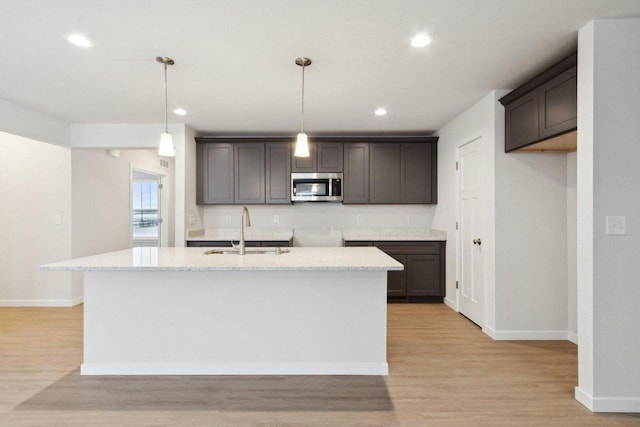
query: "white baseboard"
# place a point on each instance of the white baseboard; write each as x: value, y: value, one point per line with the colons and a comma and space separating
x: 450, y: 303
x: 573, y: 337
x: 41, y: 302
x: 607, y: 404
x: 525, y: 335
x: 311, y: 368
x: 77, y: 300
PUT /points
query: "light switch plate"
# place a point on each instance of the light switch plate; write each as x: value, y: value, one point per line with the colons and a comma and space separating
x: 58, y: 220
x: 616, y: 225
x: 192, y: 219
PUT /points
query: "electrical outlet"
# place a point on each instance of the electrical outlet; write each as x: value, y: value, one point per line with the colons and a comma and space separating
x: 192, y: 219
x: 276, y: 218
x: 616, y: 225
x: 359, y: 219
x: 58, y: 220
x: 227, y: 219
x: 410, y: 219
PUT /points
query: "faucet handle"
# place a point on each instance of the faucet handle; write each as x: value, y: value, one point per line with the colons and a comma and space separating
x: 234, y: 245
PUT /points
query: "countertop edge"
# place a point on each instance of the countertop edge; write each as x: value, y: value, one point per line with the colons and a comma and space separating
x: 232, y: 268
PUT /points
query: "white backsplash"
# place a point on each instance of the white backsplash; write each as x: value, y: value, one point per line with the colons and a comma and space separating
x: 322, y: 216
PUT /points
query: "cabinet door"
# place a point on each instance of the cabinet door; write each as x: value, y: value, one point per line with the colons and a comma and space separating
x: 330, y: 156
x: 384, y: 173
x: 357, y: 243
x: 278, y: 172
x: 424, y: 275
x: 276, y: 243
x: 416, y: 173
x: 214, y: 168
x: 396, y: 280
x: 249, y: 173
x: 558, y: 104
x: 304, y: 164
x: 209, y: 243
x: 521, y: 121
x: 356, y: 173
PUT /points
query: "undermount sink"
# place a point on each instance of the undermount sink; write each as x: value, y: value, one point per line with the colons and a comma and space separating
x: 248, y: 251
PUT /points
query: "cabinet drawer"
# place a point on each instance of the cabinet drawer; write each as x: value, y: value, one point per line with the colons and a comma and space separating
x: 276, y: 244
x: 209, y: 243
x: 358, y: 243
x: 409, y: 247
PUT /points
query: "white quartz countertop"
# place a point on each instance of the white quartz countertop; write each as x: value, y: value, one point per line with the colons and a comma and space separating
x: 250, y: 233
x: 194, y: 259
x: 389, y: 234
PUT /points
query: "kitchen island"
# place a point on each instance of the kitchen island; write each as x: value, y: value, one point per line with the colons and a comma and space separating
x: 178, y: 311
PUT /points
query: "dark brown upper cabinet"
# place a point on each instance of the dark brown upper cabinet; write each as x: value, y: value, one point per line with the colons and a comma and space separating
x: 385, y: 173
x: 356, y: 173
x: 249, y: 176
x: 214, y: 174
x: 242, y: 171
x: 323, y: 157
x: 542, y: 108
x: 278, y: 172
x: 419, y: 172
x: 398, y: 172
x: 377, y: 169
x: 558, y: 104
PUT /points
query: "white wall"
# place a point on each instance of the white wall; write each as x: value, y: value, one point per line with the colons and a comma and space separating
x: 143, y: 136
x: 122, y: 135
x: 608, y: 182
x: 572, y: 238
x: 525, y: 227
x: 479, y: 121
x: 191, y: 216
x: 101, y: 197
x: 531, y: 245
x: 322, y: 216
x: 35, y: 187
x: 32, y: 124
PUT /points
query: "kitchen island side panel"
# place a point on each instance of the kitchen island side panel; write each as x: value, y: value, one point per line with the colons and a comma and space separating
x: 235, y: 322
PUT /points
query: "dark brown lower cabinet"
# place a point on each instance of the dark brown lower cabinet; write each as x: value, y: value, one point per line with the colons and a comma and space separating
x: 248, y: 243
x: 423, y: 277
x: 397, y: 280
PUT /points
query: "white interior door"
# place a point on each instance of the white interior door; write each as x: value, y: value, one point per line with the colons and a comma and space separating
x: 470, y: 231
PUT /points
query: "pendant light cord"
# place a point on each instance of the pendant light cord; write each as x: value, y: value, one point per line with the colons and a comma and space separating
x: 302, y: 115
x: 166, y: 102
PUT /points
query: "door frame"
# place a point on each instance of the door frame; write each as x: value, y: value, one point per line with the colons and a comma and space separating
x: 163, y: 205
x: 480, y: 136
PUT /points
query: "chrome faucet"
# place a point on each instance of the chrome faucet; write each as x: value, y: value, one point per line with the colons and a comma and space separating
x: 241, y: 248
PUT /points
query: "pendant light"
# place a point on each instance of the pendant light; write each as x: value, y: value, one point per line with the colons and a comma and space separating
x: 166, y: 142
x: 302, y: 142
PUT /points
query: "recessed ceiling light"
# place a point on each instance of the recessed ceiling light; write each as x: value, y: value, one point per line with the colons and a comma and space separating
x: 421, y: 40
x: 381, y: 112
x: 180, y: 112
x: 79, y: 40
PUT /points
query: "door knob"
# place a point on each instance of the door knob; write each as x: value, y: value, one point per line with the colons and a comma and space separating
x: 477, y: 241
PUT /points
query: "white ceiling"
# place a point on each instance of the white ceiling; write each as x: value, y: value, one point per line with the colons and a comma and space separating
x: 235, y: 68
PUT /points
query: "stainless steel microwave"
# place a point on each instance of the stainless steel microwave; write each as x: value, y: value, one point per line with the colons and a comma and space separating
x: 316, y: 187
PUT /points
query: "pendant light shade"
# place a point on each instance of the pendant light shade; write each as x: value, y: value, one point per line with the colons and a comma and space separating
x: 166, y: 148
x: 302, y: 142
x: 166, y: 145
x: 302, y: 145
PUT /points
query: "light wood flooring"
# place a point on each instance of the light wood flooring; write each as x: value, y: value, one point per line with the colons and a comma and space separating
x: 443, y: 372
